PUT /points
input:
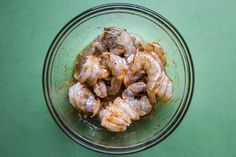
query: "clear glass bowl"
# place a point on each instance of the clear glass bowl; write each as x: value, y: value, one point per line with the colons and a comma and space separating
x: 75, y: 36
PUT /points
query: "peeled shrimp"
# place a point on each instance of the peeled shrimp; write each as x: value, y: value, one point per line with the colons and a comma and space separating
x: 158, y: 83
x: 130, y: 78
x: 133, y: 89
x: 116, y: 64
x: 95, y: 48
x: 118, y: 68
x: 118, y: 41
x: 82, y: 98
x: 116, y: 60
x: 163, y: 88
x: 137, y: 40
x: 156, y: 51
x: 92, y: 70
x: 142, y: 105
x: 103, y: 73
x: 100, y: 89
x: 117, y: 116
x: 112, y: 122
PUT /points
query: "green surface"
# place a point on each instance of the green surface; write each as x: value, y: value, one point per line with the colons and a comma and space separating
x: 28, y: 27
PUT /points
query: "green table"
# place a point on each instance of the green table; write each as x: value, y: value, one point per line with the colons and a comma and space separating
x: 28, y: 27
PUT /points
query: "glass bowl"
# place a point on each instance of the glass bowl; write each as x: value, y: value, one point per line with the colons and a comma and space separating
x: 75, y: 36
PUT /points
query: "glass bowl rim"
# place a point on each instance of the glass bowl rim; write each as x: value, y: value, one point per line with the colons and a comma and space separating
x: 127, y: 149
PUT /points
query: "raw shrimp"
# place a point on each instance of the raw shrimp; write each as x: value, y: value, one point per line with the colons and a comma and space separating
x: 100, y: 89
x: 133, y: 89
x: 125, y: 73
x: 112, y: 122
x: 130, y: 58
x: 159, y: 83
x: 92, y: 70
x: 156, y: 51
x: 95, y: 48
x: 137, y: 40
x: 118, y: 115
x: 103, y: 73
x: 116, y: 64
x: 82, y: 98
x: 142, y: 105
x: 118, y: 41
x: 130, y: 78
x: 144, y: 61
x: 118, y: 68
x: 116, y: 83
x: 163, y: 88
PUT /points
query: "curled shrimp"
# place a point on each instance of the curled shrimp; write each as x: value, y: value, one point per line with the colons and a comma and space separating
x: 117, y: 116
x: 103, y: 73
x: 96, y: 49
x: 82, y: 98
x: 100, y: 89
x: 116, y: 60
x: 159, y: 84
x: 156, y: 51
x: 134, y: 89
x: 92, y: 70
x: 112, y: 122
x: 137, y: 40
x: 118, y: 41
x: 142, y: 106
x: 115, y: 63
x: 130, y: 78
x: 118, y: 68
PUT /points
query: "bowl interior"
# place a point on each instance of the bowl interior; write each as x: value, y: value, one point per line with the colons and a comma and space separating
x: 76, y: 37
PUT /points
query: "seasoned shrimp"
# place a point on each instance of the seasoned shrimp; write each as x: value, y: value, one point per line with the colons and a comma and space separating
x: 100, y: 89
x: 116, y: 64
x: 144, y: 61
x: 82, y: 98
x: 130, y: 78
x: 112, y: 122
x: 103, y: 73
x: 133, y: 89
x: 118, y: 41
x: 125, y: 73
x: 96, y: 48
x: 118, y: 68
x: 137, y: 40
x: 90, y: 70
x: 118, y: 115
x: 142, y: 105
x: 164, y: 88
x: 156, y: 51
x: 156, y: 76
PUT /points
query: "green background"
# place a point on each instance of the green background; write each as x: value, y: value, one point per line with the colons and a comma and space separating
x: 28, y: 27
